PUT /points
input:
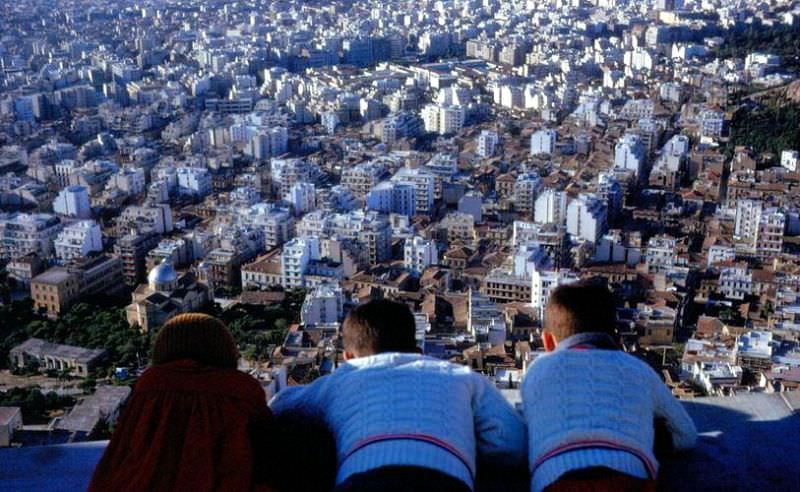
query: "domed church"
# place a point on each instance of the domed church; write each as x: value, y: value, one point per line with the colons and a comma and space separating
x: 165, y: 295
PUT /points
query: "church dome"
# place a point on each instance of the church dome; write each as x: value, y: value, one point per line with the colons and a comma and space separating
x: 163, y: 274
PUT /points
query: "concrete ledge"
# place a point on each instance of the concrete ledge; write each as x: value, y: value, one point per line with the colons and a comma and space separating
x: 748, y: 442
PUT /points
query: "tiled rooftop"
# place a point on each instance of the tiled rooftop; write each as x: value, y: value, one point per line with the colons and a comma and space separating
x: 748, y: 442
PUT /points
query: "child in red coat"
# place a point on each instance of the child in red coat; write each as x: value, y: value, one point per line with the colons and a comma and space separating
x: 187, y: 425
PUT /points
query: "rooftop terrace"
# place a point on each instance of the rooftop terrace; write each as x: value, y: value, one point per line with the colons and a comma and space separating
x: 748, y: 442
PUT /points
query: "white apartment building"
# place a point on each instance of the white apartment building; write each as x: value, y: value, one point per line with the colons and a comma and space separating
x: 73, y: 201
x: 629, y: 154
x: 550, y: 207
x: 22, y: 234
x: 78, y: 239
x: 302, y: 196
x: 789, y: 160
x: 544, y: 142
x: 323, y: 305
x: 526, y: 190
x: 660, y: 254
x: 295, y: 257
x: 419, y: 254
x: 277, y: 223
x: 444, y: 120
x: 393, y: 197
x: 195, y: 181
x: 759, y: 230
x: 361, y: 178
x: 736, y: 282
x: 587, y: 218
x: 487, y: 143
x: 425, y: 187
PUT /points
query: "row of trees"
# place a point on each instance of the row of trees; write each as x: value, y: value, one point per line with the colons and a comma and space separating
x: 35, y: 405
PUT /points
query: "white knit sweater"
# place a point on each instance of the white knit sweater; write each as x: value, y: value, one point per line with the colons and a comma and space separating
x: 408, y: 409
x: 595, y: 408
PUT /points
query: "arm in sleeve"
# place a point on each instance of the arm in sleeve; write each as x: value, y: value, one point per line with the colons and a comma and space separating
x: 500, y: 430
x: 305, y: 400
x: 680, y: 424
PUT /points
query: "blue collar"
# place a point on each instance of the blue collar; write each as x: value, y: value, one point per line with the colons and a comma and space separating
x: 592, y: 340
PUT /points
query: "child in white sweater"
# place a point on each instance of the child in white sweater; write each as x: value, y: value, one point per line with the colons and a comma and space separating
x: 589, y: 406
x: 402, y: 421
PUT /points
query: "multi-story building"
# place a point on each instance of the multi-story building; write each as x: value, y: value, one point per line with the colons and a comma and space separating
x: 22, y: 234
x: 736, y: 281
x: 323, y: 305
x: 757, y: 230
x: 132, y: 249
x: 629, y: 154
x: 550, y: 207
x: 458, y: 226
x: 526, y: 191
x: 544, y: 142
x: 78, y: 239
x: 443, y: 119
x: 73, y: 201
x: 587, y: 218
x: 425, y: 187
x: 302, y: 197
x: 361, y: 178
x: 487, y: 143
x: 660, y: 254
x: 286, y: 172
x: 276, y: 223
x: 393, y: 197
x: 419, y: 254
x: 295, y: 257
x: 194, y: 181
x: 58, y: 288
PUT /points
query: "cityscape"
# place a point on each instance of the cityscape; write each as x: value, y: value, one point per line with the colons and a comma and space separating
x: 277, y: 163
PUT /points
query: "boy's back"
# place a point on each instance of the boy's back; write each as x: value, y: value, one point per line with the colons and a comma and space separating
x: 589, y: 406
x: 601, y: 405
x: 402, y: 409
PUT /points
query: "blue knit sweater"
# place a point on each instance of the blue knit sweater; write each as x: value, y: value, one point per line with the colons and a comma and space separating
x: 408, y: 409
x: 595, y: 408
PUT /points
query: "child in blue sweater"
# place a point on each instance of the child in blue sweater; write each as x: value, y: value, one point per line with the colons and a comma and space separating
x: 589, y: 406
x: 402, y: 421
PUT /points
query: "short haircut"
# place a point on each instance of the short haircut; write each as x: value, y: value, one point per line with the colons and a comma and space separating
x: 582, y: 307
x: 379, y: 326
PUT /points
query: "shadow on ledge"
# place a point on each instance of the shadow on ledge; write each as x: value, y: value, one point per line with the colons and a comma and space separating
x: 748, y: 443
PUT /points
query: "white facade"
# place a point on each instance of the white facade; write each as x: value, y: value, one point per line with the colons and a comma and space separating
x: 323, y: 305
x: 487, y: 143
x: 302, y: 196
x: 550, y: 207
x: 393, y: 197
x: 443, y: 120
x: 21, y: 234
x: 78, y: 240
x: 526, y: 190
x: 194, y: 181
x: 587, y: 218
x: 419, y: 254
x: 789, y: 160
x: 544, y: 142
x: 425, y: 186
x: 73, y: 201
x: 629, y: 154
x: 295, y: 257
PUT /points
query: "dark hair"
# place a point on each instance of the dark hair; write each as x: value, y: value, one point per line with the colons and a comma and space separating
x: 379, y: 326
x: 582, y: 307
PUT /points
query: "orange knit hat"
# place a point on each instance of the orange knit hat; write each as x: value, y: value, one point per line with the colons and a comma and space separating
x: 198, y: 337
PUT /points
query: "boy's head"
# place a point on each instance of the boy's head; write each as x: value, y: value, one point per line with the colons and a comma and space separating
x: 198, y: 337
x: 582, y: 307
x: 379, y: 326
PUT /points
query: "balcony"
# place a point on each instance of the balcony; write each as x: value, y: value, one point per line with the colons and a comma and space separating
x: 748, y: 442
